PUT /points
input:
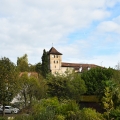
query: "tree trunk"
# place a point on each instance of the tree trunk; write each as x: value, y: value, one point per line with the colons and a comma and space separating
x: 3, y: 112
x: 25, y: 98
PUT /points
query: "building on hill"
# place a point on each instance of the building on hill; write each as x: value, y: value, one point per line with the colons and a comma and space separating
x: 57, y: 66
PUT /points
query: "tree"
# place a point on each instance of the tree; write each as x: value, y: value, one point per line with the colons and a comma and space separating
x: 31, y: 68
x: 69, y: 86
x: 95, y: 80
x: 76, y: 87
x: 116, y: 81
x: 30, y: 88
x: 22, y: 63
x: 57, y: 86
x: 24, y: 87
x: 38, y: 68
x: 107, y: 101
x: 44, y: 67
x: 8, y: 81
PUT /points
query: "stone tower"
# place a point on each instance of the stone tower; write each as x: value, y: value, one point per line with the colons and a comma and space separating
x: 55, y: 60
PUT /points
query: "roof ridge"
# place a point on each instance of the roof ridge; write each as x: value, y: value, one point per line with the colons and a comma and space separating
x: 54, y: 51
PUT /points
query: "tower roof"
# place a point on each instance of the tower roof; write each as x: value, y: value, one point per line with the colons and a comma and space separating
x: 54, y: 51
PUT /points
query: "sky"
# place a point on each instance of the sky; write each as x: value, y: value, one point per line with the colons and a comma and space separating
x: 84, y: 31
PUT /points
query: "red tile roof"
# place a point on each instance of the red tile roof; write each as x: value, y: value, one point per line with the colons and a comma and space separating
x: 77, y: 66
x: 54, y: 51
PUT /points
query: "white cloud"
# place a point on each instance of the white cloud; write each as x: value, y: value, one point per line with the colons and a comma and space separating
x: 99, y: 14
x: 109, y: 26
x: 29, y: 26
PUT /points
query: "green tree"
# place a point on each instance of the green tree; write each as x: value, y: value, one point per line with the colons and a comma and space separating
x: 44, y: 66
x: 8, y: 81
x: 69, y: 86
x: 31, y: 68
x: 38, y: 68
x: 31, y: 88
x: 95, y: 80
x: 76, y: 86
x: 57, y: 86
x: 116, y: 80
x: 24, y: 82
x: 22, y: 63
x: 107, y: 101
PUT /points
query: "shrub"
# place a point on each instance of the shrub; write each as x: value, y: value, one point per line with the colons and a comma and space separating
x: 45, y: 109
x: 115, y: 114
x: 52, y: 109
x: 90, y: 114
x: 71, y: 115
x: 59, y: 117
x: 68, y: 105
x: 2, y: 118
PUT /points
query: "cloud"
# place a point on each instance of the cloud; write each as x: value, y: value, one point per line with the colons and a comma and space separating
x: 109, y: 26
x: 29, y: 26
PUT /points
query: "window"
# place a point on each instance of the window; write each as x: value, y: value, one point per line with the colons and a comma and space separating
x: 54, y: 61
x: 54, y: 56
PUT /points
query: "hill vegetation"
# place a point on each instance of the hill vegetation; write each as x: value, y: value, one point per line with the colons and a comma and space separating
x: 59, y: 97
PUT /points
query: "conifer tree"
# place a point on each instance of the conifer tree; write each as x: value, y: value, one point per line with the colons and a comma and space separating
x: 45, y: 70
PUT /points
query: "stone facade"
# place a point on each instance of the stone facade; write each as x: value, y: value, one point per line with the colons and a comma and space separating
x: 57, y: 66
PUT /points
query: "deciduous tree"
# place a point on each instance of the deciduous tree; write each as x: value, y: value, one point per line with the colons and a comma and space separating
x: 30, y: 88
x: 69, y: 86
x: 95, y: 80
x: 8, y: 81
x: 22, y: 63
x: 38, y: 68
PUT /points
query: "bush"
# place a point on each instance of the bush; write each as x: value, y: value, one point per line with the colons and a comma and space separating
x: 115, y: 113
x: 59, y: 117
x: 90, y: 114
x: 71, y: 115
x: 52, y: 109
x: 46, y: 109
x: 68, y: 105
x: 2, y: 118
